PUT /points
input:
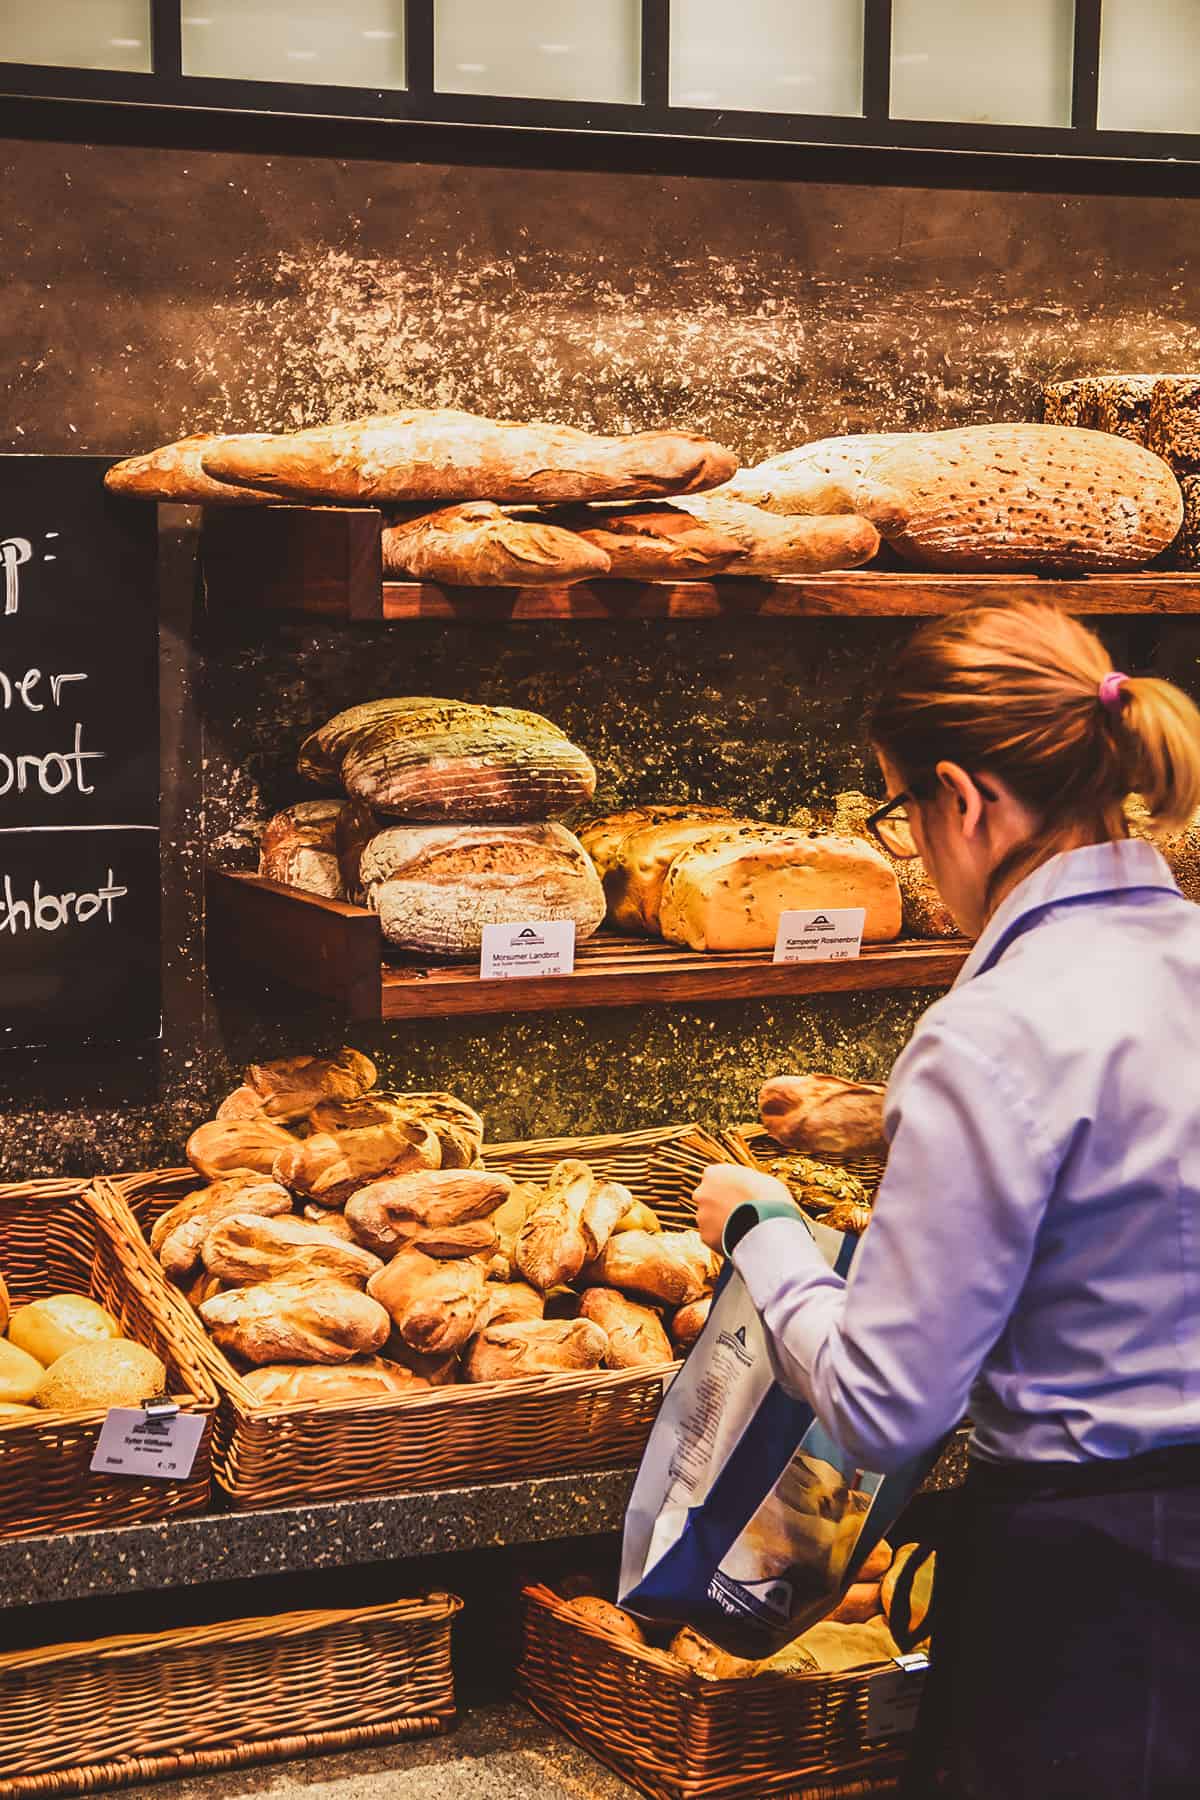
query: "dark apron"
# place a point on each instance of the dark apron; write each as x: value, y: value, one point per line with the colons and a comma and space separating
x: 1066, y: 1635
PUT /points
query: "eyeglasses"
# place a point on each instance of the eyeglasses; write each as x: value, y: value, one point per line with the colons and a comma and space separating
x: 892, y: 830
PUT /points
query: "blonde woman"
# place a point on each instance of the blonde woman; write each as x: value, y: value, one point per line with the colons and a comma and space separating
x: 1034, y: 1255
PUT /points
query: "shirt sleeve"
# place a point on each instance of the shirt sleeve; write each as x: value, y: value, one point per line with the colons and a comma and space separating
x: 887, y: 1358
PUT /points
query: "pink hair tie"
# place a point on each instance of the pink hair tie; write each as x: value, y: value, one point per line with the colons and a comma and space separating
x: 1110, y: 689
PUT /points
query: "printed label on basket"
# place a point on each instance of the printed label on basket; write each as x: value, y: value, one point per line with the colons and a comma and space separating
x: 516, y: 952
x: 830, y: 935
x: 134, y: 1442
x: 894, y: 1699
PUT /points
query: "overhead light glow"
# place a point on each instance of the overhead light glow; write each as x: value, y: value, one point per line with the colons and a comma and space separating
x: 302, y: 56
x: 379, y: 37
x: 555, y: 49
x: 471, y: 68
x: 126, y: 43
x: 197, y: 21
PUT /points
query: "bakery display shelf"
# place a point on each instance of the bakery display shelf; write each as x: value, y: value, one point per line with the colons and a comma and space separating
x: 327, y: 562
x: 331, y: 950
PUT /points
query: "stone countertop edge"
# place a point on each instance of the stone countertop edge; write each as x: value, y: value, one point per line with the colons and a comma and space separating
x: 231, y: 1546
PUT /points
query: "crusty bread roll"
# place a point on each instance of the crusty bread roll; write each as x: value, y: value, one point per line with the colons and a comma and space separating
x: 440, y: 1369
x: 176, y: 473
x: 237, y: 1146
x: 569, y: 1225
x: 244, y: 1249
x: 602, y: 837
x: 376, y: 1138
x: 510, y: 1303
x: 859, y: 1603
x: 634, y: 880
x: 287, y: 1089
x: 299, y: 847
x: 636, y: 1339
x: 611, y: 1618
x: 449, y: 761
x: 687, y: 1322
x: 706, y: 1658
x: 824, y: 1115
x: 653, y: 543
x: 456, y: 1125
x: 776, y: 546
x: 433, y: 1304
x: 638, y: 1217
x: 93, y: 1377
x: 386, y: 1215
x: 178, y: 1236
x: 424, y: 454
x: 478, y: 545
x: 319, y: 1321
x: 817, y: 479
x: 728, y: 894
x: 287, y: 1384
x: 534, y: 1347
x: 673, y: 1267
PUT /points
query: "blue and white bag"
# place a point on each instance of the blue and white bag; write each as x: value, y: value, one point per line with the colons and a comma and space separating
x: 747, y: 1520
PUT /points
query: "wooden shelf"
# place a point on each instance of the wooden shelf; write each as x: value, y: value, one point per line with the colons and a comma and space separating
x: 333, y: 951
x: 326, y: 562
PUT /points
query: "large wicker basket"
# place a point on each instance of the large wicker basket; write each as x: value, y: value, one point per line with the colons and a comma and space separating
x: 76, y: 1717
x: 540, y: 1425
x: 51, y: 1242
x: 678, y: 1736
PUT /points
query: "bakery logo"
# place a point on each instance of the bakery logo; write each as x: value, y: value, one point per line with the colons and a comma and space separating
x: 529, y: 936
x: 151, y: 1427
x: 736, y: 1341
x: 740, y: 1335
x: 821, y: 923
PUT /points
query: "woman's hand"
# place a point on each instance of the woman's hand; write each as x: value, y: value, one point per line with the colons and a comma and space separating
x: 723, y: 1188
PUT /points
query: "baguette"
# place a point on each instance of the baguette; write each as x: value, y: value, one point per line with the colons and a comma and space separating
x: 771, y: 545
x: 654, y: 543
x: 176, y: 473
x: 824, y: 1115
x: 818, y: 479
x: 478, y: 545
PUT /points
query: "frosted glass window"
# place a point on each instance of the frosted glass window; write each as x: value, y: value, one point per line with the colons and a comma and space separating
x: 76, y: 34
x: 359, y: 43
x: 1150, y: 65
x: 539, y: 49
x: 983, y: 63
x: 784, y: 56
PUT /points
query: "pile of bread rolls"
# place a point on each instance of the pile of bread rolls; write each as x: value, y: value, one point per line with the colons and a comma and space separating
x: 445, y: 824
x: 478, y: 502
x: 858, y: 1633
x: 351, y: 1242
x: 821, y: 1120
x: 66, y: 1353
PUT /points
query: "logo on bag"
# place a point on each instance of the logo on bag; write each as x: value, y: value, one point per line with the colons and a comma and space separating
x: 736, y: 1342
x: 740, y: 1335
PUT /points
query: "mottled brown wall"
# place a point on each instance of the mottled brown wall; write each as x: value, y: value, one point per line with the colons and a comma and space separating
x: 149, y: 292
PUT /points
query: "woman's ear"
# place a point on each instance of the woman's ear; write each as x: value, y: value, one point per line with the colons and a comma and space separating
x: 962, y: 791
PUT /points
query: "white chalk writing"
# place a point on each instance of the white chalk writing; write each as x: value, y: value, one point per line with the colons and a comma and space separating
x: 47, y: 912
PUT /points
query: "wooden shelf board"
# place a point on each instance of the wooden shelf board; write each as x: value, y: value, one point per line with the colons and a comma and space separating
x: 335, y: 951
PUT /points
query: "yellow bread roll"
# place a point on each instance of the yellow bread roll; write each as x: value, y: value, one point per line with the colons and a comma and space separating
x: 93, y: 1377
x: 612, y: 1618
x: 20, y: 1374
x: 47, y: 1329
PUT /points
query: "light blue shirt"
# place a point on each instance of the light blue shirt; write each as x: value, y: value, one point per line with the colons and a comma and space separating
x: 1034, y: 1255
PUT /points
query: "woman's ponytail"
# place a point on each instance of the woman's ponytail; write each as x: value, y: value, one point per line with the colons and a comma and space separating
x: 1161, y: 727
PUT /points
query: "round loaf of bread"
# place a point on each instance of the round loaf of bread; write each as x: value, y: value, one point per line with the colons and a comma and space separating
x: 299, y: 847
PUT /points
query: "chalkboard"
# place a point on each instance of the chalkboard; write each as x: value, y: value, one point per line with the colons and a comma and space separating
x: 79, y: 876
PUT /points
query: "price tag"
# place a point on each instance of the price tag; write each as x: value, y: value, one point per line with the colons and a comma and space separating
x: 894, y: 1699
x: 820, y: 936
x: 150, y: 1444
x: 515, y: 952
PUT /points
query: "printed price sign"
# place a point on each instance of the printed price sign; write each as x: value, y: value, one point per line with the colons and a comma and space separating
x: 515, y: 952
x: 894, y: 1699
x: 820, y: 936
x: 145, y: 1444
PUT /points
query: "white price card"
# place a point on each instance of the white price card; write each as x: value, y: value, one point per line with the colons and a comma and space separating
x: 515, y: 952
x: 820, y: 935
x: 894, y: 1699
x: 134, y: 1442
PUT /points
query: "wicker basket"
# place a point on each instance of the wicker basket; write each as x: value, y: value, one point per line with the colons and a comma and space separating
x: 539, y: 1425
x: 76, y: 1717
x: 751, y: 1145
x: 677, y: 1736
x: 51, y: 1242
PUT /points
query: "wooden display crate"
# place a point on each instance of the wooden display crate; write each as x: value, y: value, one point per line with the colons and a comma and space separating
x: 327, y: 561
x: 334, y: 951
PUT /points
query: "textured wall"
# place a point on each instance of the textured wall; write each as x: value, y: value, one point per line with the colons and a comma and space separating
x: 152, y: 292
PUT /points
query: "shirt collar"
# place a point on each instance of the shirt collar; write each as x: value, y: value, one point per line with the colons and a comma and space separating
x: 1088, y: 873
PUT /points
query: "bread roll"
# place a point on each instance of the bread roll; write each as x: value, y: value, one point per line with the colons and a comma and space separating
x: 636, y: 1339
x: 179, y: 1235
x: 706, y: 1658
x: 377, y: 1139
x: 608, y: 1617
x: 422, y: 454
x: 287, y: 1384
x: 634, y: 880
x: 775, y: 546
x: 388, y: 1214
x: 20, y: 1375
x: 816, y: 479
x: 176, y: 473
x: 654, y: 543
x: 859, y: 1603
x: 433, y: 1305
x: 319, y: 1321
x: 287, y: 1089
x: 237, y: 1146
x: 93, y: 1377
x: 728, y: 894
x: 535, y: 1347
x: 299, y: 847
x: 244, y: 1249
x: 602, y: 837
x: 673, y: 1267
x: 478, y: 545
x: 47, y: 1329
x: 687, y: 1322
x: 447, y: 761
x: 435, y: 887
x: 1023, y: 497
x: 824, y: 1115
x: 569, y: 1225
x: 510, y: 1303
x: 638, y: 1217
x: 456, y: 1125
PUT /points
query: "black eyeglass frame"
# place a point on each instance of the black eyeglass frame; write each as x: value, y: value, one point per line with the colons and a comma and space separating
x: 905, y: 798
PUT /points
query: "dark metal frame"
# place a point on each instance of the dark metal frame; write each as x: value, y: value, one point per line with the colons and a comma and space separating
x: 421, y: 104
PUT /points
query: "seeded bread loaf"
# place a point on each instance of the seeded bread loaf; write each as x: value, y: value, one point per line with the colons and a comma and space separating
x: 1174, y: 426
x: 818, y: 479
x: 176, y: 473
x: 771, y: 545
x: 435, y: 887
x: 602, y: 837
x: 299, y: 848
x: 633, y: 883
x: 479, y: 545
x: 1070, y: 403
x: 447, y: 456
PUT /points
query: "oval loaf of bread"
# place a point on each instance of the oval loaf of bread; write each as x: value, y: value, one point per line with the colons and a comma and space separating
x: 318, y: 1321
x: 633, y: 883
x: 771, y: 545
x: 602, y: 838
x: 176, y: 473
x: 479, y: 545
x: 819, y: 479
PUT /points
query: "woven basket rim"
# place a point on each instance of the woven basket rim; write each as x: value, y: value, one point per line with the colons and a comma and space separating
x: 431, y: 1608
